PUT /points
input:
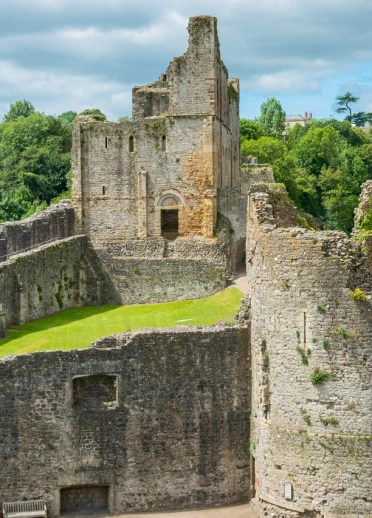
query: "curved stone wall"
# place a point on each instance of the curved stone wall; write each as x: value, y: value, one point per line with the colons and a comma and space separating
x: 312, y: 351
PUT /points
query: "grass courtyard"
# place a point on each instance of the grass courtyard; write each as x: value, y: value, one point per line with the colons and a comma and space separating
x: 78, y: 328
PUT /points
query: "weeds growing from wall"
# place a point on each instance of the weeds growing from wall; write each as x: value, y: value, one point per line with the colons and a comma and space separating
x: 318, y: 376
x: 357, y: 294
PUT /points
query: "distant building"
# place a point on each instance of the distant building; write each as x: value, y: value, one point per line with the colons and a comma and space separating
x: 292, y: 120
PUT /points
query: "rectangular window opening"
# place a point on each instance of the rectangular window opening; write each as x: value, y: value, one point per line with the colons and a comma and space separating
x: 95, y: 392
x: 106, y: 142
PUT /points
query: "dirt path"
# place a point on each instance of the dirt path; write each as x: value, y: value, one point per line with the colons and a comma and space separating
x: 241, y: 282
x: 239, y: 511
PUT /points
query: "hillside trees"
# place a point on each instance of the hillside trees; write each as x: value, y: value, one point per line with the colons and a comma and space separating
x: 34, y: 160
x: 322, y: 164
x: 272, y: 118
x: 359, y: 119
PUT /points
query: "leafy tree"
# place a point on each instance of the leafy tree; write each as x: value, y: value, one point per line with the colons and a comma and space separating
x: 266, y: 149
x: 67, y: 117
x: 360, y: 119
x: 35, y: 162
x: 95, y: 113
x: 249, y: 130
x: 319, y: 147
x: 19, y: 109
x: 339, y: 205
x: 272, y: 118
x: 301, y: 186
x: 124, y: 118
x: 343, y: 102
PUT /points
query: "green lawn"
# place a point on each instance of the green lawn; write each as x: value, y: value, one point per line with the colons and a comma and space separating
x: 77, y: 328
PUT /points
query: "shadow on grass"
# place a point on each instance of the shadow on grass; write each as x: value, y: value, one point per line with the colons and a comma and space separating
x: 58, y: 319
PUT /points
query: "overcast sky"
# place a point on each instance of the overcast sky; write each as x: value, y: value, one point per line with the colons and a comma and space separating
x: 74, y: 54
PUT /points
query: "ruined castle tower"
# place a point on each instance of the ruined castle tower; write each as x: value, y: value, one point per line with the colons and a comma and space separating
x: 158, y: 174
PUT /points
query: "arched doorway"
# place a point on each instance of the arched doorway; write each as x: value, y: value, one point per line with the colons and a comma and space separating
x: 169, y: 213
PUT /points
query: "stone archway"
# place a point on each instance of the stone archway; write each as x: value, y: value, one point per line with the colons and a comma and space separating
x: 168, y: 213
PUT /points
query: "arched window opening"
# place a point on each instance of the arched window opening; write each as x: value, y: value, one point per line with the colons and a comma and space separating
x: 131, y: 144
x: 163, y: 143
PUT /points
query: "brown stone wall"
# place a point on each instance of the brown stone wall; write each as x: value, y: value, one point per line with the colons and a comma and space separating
x: 177, y: 438
x: 306, y: 325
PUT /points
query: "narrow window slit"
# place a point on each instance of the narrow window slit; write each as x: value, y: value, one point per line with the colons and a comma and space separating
x: 106, y: 142
x: 131, y: 144
x: 103, y: 190
x: 163, y: 143
x: 304, y: 327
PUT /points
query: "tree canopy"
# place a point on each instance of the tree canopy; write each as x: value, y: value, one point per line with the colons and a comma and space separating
x: 322, y: 164
x: 35, y: 160
x: 272, y: 118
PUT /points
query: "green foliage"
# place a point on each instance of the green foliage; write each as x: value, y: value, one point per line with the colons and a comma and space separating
x: 124, y: 118
x: 304, y: 353
x: 344, y: 101
x: 35, y: 160
x: 249, y: 130
x: 365, y: 226
x: 317, y: 376
x: 305, y: 416
x: 266, y: 149
x: 272, y: 118
x: 326, y: 345
x: 321, y: 164
x: 341, y: 331
x: 252, y: 446
x: 329, y: 420
x: 95, y: 113
x: 67, y: 117
x: 19, y: 109
x: 357, y: 294
x: 320, y: 309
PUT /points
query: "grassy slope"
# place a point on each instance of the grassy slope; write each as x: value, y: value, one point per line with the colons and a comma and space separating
x: 77, y: 328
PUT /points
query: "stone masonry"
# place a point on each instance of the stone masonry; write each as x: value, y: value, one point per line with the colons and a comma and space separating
x: 311, y: 347
x: 177, y: 159
x: 159, y: 419
x: 276, y: 407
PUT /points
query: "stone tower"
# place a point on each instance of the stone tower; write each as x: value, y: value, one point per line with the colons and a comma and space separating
x: 158, y: 174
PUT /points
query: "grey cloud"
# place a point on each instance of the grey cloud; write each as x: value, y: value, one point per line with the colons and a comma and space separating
x: 273, y: 46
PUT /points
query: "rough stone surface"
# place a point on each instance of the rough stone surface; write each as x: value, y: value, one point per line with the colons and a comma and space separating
x: 180, y: 152
x: 52, y: 277
x: 177, y: 437
x: 55, y: 222
x: 316, y: 437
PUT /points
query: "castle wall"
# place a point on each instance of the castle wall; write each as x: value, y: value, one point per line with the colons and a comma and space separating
x: 183, y: 140
x: 55, y: 222
x: 105, y: 179
x: 314, y: 435
x: 53, y: 277
x: 156, y: 270
x: 161, y: 418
